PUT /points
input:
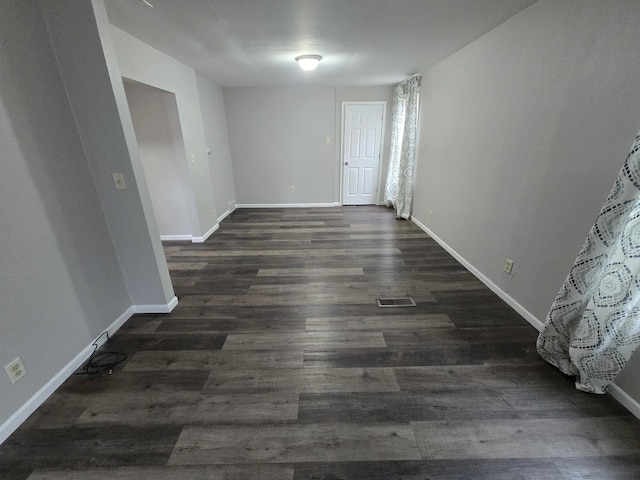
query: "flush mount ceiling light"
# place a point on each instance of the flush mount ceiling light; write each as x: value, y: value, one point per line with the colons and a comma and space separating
x: 308, y: 62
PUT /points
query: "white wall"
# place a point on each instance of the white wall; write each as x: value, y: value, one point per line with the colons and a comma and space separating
x: 217, y: 137
x: 61, y: 283
x: 523, y: 132
x: 155, y: 120
x: 277, y: 138
x: 143, y: 64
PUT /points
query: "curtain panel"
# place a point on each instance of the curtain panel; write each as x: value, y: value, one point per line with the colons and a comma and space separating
x: 593, y: 326
x: 402, y: 156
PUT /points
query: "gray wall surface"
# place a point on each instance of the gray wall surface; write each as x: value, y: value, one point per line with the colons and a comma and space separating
x: 155, y: 120
x: 94, y: 88
x: 141, y: 63
x: 61, y: 284
x: 277, y: 138
x: 217, y: 136
x: 522, y: 135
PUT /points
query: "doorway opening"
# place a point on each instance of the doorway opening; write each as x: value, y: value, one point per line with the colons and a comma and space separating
x: 156, y: 123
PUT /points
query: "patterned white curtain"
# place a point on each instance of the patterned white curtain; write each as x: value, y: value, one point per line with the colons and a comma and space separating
x: 594, y: 324
x: 402, y: 158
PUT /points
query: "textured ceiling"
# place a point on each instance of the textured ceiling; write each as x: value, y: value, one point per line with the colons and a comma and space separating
x: 363, y: 42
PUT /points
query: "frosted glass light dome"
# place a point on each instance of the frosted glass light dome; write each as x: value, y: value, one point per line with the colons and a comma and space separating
x: 308, y: 62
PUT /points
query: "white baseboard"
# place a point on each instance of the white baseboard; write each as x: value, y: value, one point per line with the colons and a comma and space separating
x: 175, y: 238
x: 287, y: 205
x: 206, y: 235
x: 168, y: 308
x: 625, y: 400
x: 223, y: 216
x: 230, y: 210
x: 526, y: 314
x: 616, y: 392
x: 191, y: 238
x: 30, y: 406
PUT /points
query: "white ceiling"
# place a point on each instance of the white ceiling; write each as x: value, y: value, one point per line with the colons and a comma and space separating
x: 363, y: 42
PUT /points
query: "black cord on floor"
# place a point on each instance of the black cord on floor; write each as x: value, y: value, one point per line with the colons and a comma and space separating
x: 102, y: 361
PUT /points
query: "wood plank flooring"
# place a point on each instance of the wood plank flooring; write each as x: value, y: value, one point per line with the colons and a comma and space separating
x: 278, y: 365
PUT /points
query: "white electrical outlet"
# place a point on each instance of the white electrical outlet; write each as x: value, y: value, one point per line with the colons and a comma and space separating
x: 508, y: 265
x: 292, y: 189
x: 118, y: 181
x: 16, y: 370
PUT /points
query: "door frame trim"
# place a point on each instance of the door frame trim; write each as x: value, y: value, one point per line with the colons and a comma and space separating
x: 382, y: 144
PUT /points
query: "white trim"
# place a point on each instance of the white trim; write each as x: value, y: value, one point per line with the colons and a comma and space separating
x: 30, y: 406
x: 526, y: 314
x: 382, y: 137
x: 287, y: 205
x: 174, y: 238
x: 224, y: 215
x: 230, y: 210
x: 206, y: 235
x: 191, y: 238
x: 625, y: 400
x: 160, y: 308
x: 615, y: 391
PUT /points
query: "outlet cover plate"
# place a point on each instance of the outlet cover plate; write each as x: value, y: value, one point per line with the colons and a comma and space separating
x: 15, y: 370
x: 508, y: 265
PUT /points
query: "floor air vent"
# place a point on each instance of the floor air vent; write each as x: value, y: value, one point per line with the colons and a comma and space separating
x: 396, y: 302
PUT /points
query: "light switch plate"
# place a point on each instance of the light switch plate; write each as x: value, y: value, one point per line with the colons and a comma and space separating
x: 118, y: 181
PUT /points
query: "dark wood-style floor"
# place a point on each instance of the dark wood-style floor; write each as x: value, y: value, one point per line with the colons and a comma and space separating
x: 278, y: 365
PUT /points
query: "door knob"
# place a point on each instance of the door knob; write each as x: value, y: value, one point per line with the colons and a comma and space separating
x: 346, y: 163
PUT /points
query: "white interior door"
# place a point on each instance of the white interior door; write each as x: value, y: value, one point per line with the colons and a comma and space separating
x: 362, y: 142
